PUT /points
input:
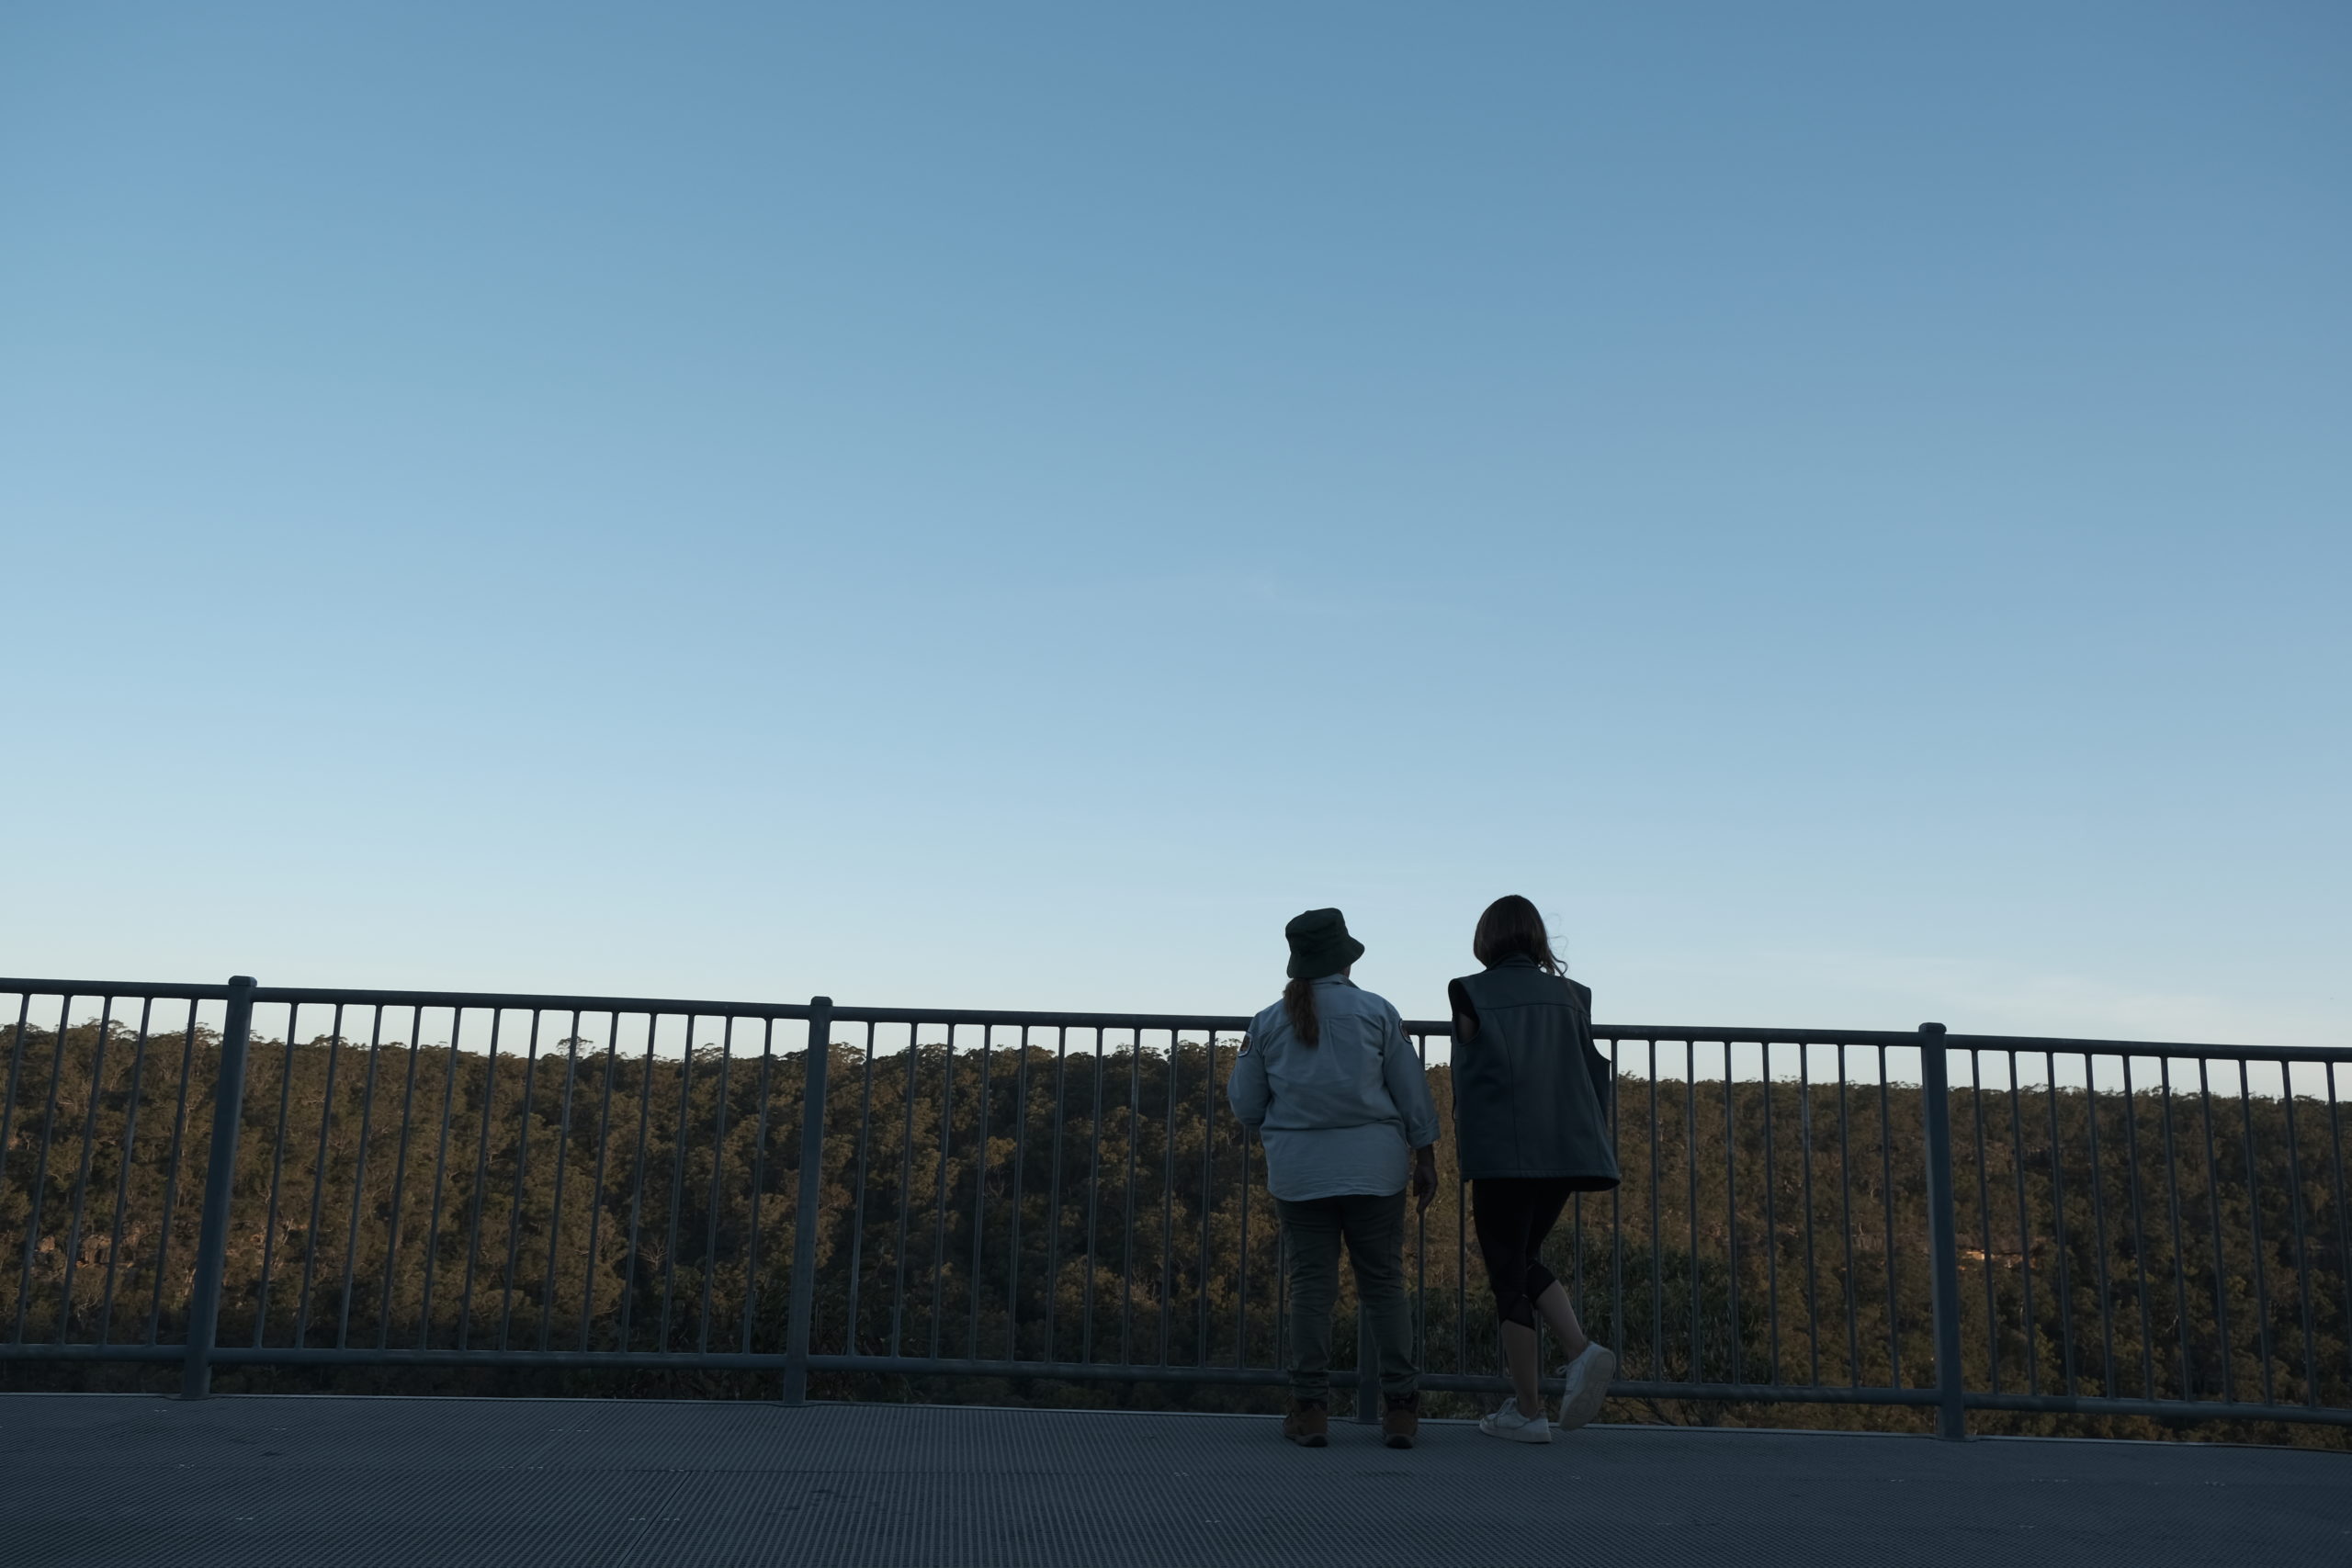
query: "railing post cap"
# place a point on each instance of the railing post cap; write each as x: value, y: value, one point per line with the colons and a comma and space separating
x: 821, y: 1002
x: 1931, y: 1029
x: 247, y: 981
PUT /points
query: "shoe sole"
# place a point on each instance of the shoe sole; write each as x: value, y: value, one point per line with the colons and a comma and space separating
x: 1508, y: 1438
x: 1312, y: 1440
x: 1593, y: 1394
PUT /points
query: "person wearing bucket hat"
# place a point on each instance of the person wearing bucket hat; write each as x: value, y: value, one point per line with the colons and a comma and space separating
x: 1332, y: 1087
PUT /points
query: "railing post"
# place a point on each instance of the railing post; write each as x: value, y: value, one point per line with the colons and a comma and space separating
x: 804, y: 1224
x: 1943, y: 1233
x: 220, y: 1185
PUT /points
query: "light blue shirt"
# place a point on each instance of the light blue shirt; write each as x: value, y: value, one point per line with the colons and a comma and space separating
x: 1343, y: 1115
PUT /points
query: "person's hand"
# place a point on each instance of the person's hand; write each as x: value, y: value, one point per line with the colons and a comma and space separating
x: 1424, y: 1177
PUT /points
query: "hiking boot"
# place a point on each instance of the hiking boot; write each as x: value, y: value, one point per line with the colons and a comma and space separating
x: 1587, y: 1379
x: 1310, y: 1424
x: 1512, y: 1427
x: 1400, y: 1420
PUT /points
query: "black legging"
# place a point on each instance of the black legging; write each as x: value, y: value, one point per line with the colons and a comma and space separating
x: 1513, y: 1215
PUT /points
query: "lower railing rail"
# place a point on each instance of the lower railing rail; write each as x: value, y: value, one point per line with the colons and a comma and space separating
x: 238, y: 1176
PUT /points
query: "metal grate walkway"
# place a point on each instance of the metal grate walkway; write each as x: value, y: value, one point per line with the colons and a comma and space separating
x: 314, y: 1481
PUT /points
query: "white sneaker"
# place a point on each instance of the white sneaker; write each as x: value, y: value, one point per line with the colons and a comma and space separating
x: 1588, y: 1378
x: 1512, y: 1427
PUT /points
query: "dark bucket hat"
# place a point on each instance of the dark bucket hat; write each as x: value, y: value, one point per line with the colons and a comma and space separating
x: 1320, y: 945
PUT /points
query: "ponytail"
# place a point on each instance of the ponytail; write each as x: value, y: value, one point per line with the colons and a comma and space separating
x: 1298, y: 1001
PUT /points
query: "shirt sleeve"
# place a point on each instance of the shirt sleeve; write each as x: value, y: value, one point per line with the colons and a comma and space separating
x: 1409, y: 1083
x: 1246, y: 1090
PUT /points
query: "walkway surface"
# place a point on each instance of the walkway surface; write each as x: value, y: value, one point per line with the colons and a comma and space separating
x: 258, y: 1481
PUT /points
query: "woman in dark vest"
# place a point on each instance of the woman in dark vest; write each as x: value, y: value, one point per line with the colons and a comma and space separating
x: 1531, y: 1118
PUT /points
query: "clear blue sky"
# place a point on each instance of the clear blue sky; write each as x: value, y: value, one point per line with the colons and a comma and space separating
x: 1848, y: 507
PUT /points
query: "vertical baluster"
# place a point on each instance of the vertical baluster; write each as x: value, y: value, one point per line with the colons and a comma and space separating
x: 2058, y: 1226
x: 713, y: 1195
x: 812, y: 1190
x: 677, y: 1167
x: 1658, y: 1252
x: 563, y: 1162
x: 1208, y: 1191
x: 1248, y: 1179
x: 486, y: 1115
x: 1811, y: 1270
x: 718, y: 1192
x: 2138, y: 1233
x: 1886, y: 1203
x: 1054, y: 1194
x: 15, y: 1061
x: 1093, y: 1202
x: 2343, y: 1223
x: 1846, y: 1224
x: 1168, y: 1204
x: 400, y: 1182
x: 123, y: 1170
x: 2295, y: 1214
x: 440, y: 1172
x: 1690, y: 1173
x: 1771, y: 1215
x: 171, y: 1173
x: 1616, y: 1217
x: 1984, y: 1217
x: 980, y: 1110
x: 40, y: 1188
x: 939, y: 1238
x: 2098, y: 1230
x: 277, y: 1171
x: 1020, y: 1195
x: 906, y: 1189
x: 1127, y: 1241
x: 1738, y: 1337
x: 81, y: 1172
x: 319, y: 1181
x: 360, y: 1178
x: 2254, y: 1216
x: 2172, y: 1203
x: 760, y: 1182
x: 858, y: 1197
x: 637, y: 1180
x: 2024, y: 1232
x: 2213, y: 1201
x: 1461, y: 1209
x: 596, y: 1183
x: 1421, y: 1236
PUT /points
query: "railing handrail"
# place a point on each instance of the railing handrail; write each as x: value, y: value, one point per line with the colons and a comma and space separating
x: 175, y: 989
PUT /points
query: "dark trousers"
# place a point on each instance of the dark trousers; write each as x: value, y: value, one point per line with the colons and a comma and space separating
x: 1513, y: 1215
x: 1373, y: 1229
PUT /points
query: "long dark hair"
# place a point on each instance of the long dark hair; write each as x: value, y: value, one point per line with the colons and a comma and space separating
x: 1513, y: 928
x: 1298, y: 1001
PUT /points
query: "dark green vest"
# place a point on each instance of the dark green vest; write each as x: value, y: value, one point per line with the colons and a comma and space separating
x: 1531, y: 1090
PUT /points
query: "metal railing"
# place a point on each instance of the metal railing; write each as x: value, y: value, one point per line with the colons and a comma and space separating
x: 244, y: 1175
